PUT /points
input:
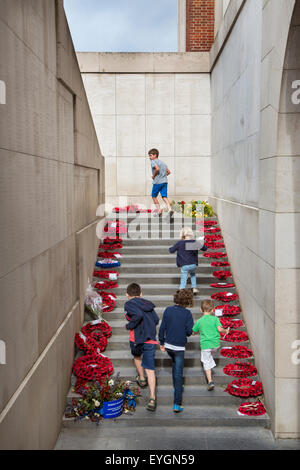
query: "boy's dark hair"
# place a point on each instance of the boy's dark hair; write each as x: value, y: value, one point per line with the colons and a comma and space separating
x: 207, y: 305
x: 153, y: 152
x: 184, y: 298
x: 134, y: 290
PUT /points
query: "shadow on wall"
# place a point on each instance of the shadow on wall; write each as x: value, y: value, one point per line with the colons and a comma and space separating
x: 289, y: 161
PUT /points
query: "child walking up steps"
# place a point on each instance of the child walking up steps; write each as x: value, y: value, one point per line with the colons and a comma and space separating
x: 209, y: 328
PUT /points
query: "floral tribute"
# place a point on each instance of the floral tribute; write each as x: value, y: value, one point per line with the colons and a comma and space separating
x: 91, y: 367
x: 87, y: 344
x: 215, y: 255
x: 245, y: 388
x: 228, y: 323
x: 211, y: 230
x: 220, y: 264
x: 240, y: 369
x: 132, y: 208
x: 112, y: 275
x: 109, y: 254
x: 214, y: 245
x: 222, y: 285
x: 224, y: 296
x: 213, y: 238
x: 252, y: 409
x: 108, y: 263
x: 222, y: 274
x: 237, y: 352
x: 189, y: 209
x: 115, y: 227
x: 108, y: 301
x: 236, y: 336
x: 105, y: 285
x: 229, y: 310
x: 97, y: 325
x: 90, y: 406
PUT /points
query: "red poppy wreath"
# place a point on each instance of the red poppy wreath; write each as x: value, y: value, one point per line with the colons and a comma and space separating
x: 229, y: 310
x: 91, y: 368
x: 212, y: 238
x: 236, y: 352
x: 227, y: 323
x: 245, y: 388
x: 105, y: 285
x: 112, y: 275
x: 214, y: 245
x: 108, y: 301
x: 211, y: 230
x: 220, y: 264
x: 224, y: 296
x: 240, y: 369
x: 252, y: 409
x: 222, y: 285
x: 215, y: 255
x: 222, y: 274
x: 235, y: 336
x: 109, y: 255
x: 97, y: 325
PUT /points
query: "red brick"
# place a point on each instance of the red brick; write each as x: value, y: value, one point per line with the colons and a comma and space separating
x: 199, y: 25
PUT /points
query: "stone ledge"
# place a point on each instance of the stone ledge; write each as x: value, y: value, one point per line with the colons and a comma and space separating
x: 143, y: 62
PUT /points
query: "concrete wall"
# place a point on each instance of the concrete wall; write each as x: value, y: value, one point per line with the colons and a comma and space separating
x: 253, y: 180
x: 141, y: 101
x: 51, y: 185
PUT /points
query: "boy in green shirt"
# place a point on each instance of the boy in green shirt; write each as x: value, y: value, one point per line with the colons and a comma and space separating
x: 209, y: 328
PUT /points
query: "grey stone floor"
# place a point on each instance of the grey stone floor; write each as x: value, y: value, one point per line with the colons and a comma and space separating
x: 170, y: 438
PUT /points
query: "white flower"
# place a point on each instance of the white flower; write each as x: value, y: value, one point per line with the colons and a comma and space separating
x: 111, y: 382
x: 96, y: 402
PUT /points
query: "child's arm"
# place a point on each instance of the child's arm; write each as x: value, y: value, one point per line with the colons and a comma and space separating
x: 189, y: 325
x: 136, y: 318
x: 168, y: 172
x: 156, y: 171
x: 173, y: 248
x: 222, y: 330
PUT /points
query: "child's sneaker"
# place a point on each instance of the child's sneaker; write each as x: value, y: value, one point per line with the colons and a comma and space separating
x: 210, y: 386
x: 195, y: 291
x: 177, y: 409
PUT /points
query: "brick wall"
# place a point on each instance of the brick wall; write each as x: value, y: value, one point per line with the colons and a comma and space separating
x: 199, y: 25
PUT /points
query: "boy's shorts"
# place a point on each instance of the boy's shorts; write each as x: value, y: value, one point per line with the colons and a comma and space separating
x: 207, y: 359
x: 147, y: 351
x: 160, y: 188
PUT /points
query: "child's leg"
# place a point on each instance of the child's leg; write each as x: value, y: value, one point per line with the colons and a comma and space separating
x: 183, y: 277
x: 193, y: 278
x: 138, y: 364
x: 167, y: 203
x: 151, y: 382
x: 208, y: 363
x: 156, y: 202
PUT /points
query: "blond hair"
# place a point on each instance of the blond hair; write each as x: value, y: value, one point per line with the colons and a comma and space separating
x: 187, y: 233
x: 207, y: 306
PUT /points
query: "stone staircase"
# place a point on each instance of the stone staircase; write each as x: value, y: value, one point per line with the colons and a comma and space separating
x: 147, y: 261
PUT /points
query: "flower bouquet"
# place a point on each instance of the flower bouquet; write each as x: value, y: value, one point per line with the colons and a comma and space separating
x: 96, y: 399
x: 93, y: 302
x: 190, y: 209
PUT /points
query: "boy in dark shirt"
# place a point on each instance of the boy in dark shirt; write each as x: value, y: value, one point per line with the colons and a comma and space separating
x: 187, y: 257
x: 176, y: 325
x: 142, y: 321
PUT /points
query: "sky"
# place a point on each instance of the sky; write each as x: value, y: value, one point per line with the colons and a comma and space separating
x: 123, y: 25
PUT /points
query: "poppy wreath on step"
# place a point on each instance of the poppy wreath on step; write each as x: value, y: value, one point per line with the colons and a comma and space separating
x: 208, y: 230
x: 108, y: 301
x: 227, y: 323
x: 97, y: 326
x: 220, y: 264
x: 214, y: 245
x: 109, y: 254
x: 222, y: 274
x: 240, y: 369
x: 229, y: 310
x: 108, y: 263
x: 132, y: 208
x: 112, y: 241
x: 85, y: 343
x: 110, y: 246
x: 237, y: 352
x: 252, y: 408
x: 222, y: 285
x: 235, y: 336
x: 111, y: 275
x: 224, y: 296
x: 216, y: 255
x: 245, y: 388
x: 213, y: 238
x: 116, y: 227
x: 93, y: 367
x: 105, y: 285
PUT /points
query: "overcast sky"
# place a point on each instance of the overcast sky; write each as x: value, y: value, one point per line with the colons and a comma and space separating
x: 123, y: 25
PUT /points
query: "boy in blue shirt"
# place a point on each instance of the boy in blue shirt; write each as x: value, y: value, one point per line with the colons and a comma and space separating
x: 176, y: 325
x: 160, y: 173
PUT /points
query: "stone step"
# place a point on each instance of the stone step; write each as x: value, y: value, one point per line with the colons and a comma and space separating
x: 159, y: 259
x: 151, y: 268
x: 146, y: 250
x: 153, y: 278
x: 123, y: 357
x: 166, y: 300
x: 192, y: 416
x: 162, y: 289
x: 143, y: 216
x: 192, y: 395
x: 118, y: 313
x: 166, y: 241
